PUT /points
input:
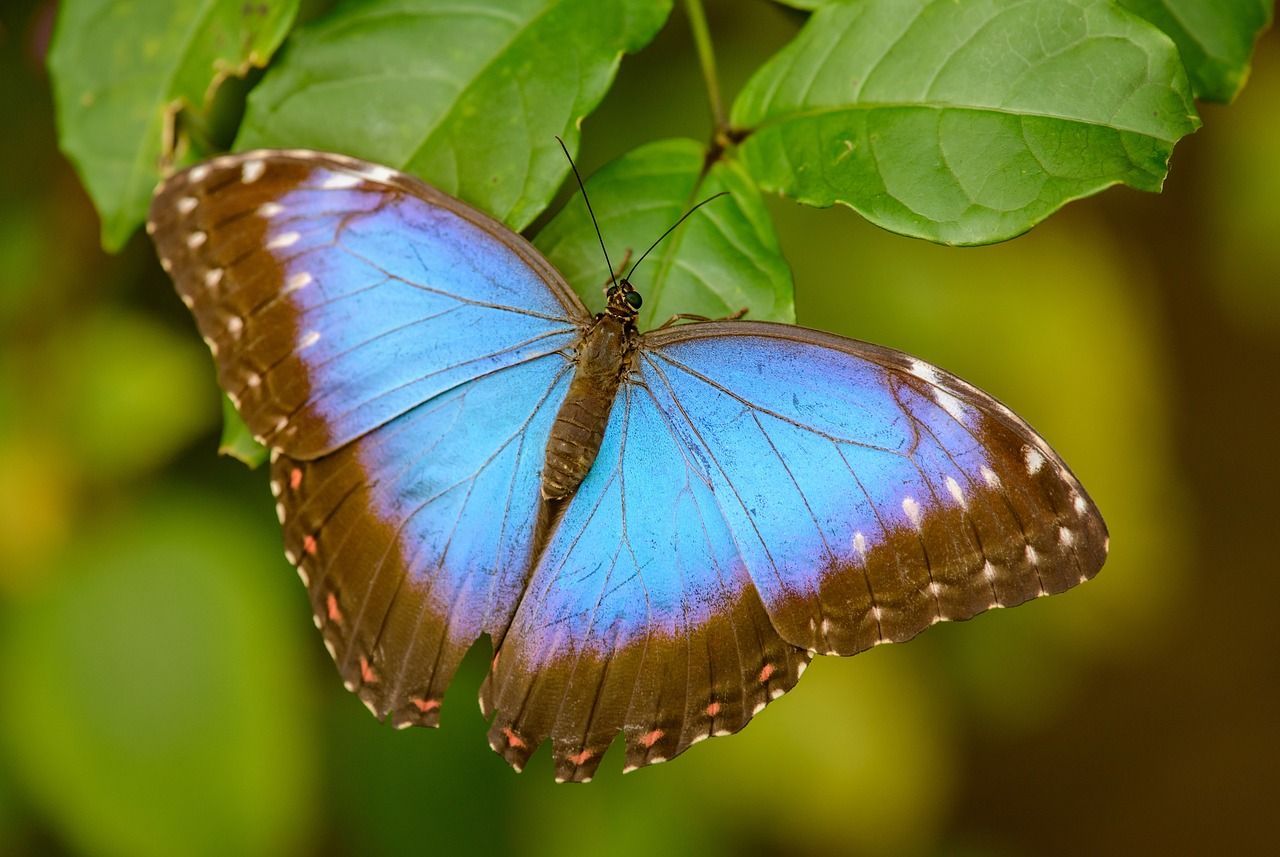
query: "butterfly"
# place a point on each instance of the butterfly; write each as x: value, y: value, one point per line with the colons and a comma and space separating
x: 657, y: 530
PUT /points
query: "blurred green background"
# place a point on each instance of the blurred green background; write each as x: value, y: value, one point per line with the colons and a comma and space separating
x: 163, y: 691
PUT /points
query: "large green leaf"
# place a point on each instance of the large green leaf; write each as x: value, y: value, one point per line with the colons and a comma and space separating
x: 965, y: 123
x: 122, y: 71
x: 723, y: 258
x: 163, y: 707
x: 1216, y: 38
x: 467, y: 94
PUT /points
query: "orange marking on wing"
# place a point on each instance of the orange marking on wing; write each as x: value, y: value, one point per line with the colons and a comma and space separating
x: 367, y: 675
x: 425, y: 705
x: 765, y: 672
x: 512, y: 738
x: 581, y: 758
x: 335, y: 615
x: 295, y: 478
x: 309, y: 545
x: 651, y: 738
x: 713, y: 709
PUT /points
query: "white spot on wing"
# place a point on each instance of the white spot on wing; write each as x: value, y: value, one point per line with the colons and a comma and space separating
x: 860, y: 545
x: 212, y: 277
x: 759, y: 707
x: 912, y: 508
x: 1034, y: 459
x: 957, y: 493
x: 990, y: 476
x: 1066, y: 537
x: 945, y: 399
x: 380, y: 174
x: 1032, y: 556
x: 341, y: 181
x: 251, y: 171
x: 308, y: 339
x: 296, y: 281
x: 198, y: 174
x: 950, y: 404
x: 1080, y: 505
x: 269, y: 210
x: 924, y: 371
x: 284, y: 239
x: 989, y: 571
x: 187, y: 204
x: 235, y: 325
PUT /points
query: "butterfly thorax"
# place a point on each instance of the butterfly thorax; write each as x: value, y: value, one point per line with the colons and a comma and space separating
x: 602, y: 361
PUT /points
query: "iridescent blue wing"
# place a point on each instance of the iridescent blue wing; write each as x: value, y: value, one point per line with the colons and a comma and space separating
x: 766, y: 493
x: 403, y: 356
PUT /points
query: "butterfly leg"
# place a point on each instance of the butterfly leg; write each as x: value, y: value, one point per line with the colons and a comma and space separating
x: 688, y: 316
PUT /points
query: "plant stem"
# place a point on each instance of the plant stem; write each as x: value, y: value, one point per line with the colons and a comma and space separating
x: 707, y: 59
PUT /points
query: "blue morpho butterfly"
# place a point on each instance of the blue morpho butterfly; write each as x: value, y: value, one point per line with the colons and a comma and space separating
x: 433, y: 394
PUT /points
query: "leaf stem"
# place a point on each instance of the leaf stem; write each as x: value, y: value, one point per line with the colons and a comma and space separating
x: 706, y: 59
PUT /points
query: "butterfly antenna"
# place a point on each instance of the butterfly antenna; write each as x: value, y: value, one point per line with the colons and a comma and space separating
x: 594, y: 222
x: 682, y: 219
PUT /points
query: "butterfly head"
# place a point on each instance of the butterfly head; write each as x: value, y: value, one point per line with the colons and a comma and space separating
x: 624, y: 301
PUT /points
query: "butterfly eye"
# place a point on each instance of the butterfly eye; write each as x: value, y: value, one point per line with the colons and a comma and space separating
x: 634, y: 300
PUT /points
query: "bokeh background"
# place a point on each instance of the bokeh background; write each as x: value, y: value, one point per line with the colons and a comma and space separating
x: 162, y: 691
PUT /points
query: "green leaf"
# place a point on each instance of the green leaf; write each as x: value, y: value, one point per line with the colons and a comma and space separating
x: 724, y: 257
x: 237, y: 441
x: 122, y: 71
x: 468, y: 95
x: 965, y: 123
x: 1216, y: 38
x: 164, y: 703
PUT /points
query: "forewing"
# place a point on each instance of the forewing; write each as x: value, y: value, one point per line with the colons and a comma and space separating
x: 870, y: 494
x: 403, y: 355
x: 337, y: 295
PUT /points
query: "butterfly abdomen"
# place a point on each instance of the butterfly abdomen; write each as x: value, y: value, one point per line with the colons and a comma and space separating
x: 579, y: 428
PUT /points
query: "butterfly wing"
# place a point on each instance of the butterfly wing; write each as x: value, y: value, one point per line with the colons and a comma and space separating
x: 872, y: 494
x: 640, y: 615
x: 766, y: 493
x: 403, y: 356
